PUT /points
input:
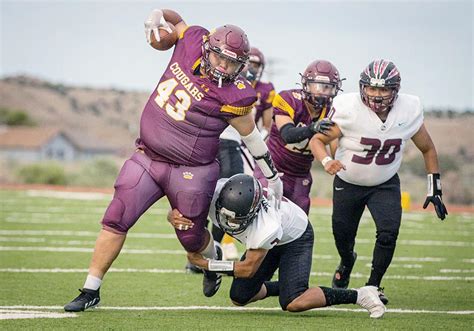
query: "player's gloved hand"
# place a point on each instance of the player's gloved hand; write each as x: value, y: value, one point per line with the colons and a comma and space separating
x: 153, y: 22
x: 434, y: 196
x: 275, y: 186
x: 322, y: 126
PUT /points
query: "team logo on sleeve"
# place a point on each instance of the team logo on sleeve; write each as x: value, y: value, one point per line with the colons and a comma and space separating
x: 188, y: 175
x: 296, y: 95
x: 240, y: 84
x: 275, y: 241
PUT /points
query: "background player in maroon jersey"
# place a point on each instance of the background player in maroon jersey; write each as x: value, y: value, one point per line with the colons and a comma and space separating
x: 299, y: 114
x: 198, y: 96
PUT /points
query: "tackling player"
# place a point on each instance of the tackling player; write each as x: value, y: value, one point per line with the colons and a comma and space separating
x: 373, y: 127
x: 299, y: 114
x: 198, y: 96
x: 275, y: 239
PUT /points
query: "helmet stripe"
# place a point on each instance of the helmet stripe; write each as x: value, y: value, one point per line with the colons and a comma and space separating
x: 376, y: 69
x: 394, y: 72
x: 383, y: 67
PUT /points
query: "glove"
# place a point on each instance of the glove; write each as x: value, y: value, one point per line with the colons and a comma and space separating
x: 321, y: 126
x: 434, y: 196
x: 153, y: 22
x: 275, y: 190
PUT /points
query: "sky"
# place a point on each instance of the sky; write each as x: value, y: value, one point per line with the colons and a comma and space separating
x: 102, y: 43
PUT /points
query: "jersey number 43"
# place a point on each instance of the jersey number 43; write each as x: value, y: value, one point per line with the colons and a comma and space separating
x: 183, y: 99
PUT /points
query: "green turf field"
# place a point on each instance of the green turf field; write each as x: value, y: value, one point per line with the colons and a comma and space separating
x: 46, y: 243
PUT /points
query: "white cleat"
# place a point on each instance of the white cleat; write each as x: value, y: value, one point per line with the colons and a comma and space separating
x: 368, y: 298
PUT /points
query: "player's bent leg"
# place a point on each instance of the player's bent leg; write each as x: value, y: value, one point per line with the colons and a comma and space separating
x: 385, y: 207
x: 246, y: 290
x: 135, y: 192
x: 348, y: 205
x: 295, y: 267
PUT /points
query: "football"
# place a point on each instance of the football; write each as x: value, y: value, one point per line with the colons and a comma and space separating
x: 167, y: 40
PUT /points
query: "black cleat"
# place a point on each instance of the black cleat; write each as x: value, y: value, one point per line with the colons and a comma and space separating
x: 342, y: 274
x: 382, y: 296
x: 192, y: 269
x: 212, y: 281
x: 87, y: 299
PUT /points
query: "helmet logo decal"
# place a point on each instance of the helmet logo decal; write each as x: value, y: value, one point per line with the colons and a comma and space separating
x: 322, y: 79
x: 229, y: 53
x: 377, y: 82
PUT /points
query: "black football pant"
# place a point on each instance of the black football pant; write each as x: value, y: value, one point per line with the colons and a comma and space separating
x: 293, y: 261
x: 231, y: 163
x: 384, y: 203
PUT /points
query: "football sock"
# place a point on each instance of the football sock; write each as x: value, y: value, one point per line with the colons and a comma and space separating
x: 273, y: 289
x: 210, y: 250
x: 338, y: 296
x: 382, y: 258
x: 92, y: 283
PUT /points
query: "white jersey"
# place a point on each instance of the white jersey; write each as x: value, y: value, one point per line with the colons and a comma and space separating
x: 370, y: 149
x: 272, y: 227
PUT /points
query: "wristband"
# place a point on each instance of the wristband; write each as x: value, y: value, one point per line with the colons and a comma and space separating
x: 224, y: 267
x: 326, y: 160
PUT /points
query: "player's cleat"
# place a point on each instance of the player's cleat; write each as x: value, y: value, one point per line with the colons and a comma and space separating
x: 368, y: 298
x: 342, y: 274
x: 87, y: 299
x: 192, y: 269
x: 230, y: 251
x: 382, y: 296
x: 212, y: 281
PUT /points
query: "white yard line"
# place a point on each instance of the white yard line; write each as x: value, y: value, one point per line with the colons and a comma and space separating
x: 9, y: 314
x: 172, y: 236
x: 181, y: 252
x: 217, y: 308
x: 182, y: 271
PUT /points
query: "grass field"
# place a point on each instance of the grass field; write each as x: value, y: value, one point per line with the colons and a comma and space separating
x: 46, y: 243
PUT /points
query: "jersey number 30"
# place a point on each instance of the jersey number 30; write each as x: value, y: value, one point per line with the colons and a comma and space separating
x: 383, y: 154
x: 182, y: 104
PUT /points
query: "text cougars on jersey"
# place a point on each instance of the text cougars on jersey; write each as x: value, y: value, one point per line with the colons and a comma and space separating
x: 185, y: 81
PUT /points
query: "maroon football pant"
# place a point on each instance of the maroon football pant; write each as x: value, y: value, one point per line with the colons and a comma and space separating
x: 297, y: 189
x: 142, y: 181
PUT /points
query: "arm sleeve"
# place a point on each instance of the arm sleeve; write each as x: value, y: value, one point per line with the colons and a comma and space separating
x: 292, y: 134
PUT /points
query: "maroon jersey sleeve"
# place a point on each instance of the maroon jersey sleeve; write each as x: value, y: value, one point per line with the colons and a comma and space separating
x: 188, y: 48
x: 267, y: 94
x: 286, y: 102
x: 238, y: 99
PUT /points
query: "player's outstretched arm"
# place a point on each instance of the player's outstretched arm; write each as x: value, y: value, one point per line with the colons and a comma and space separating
x: 251, y: 137
x: 318, y: 148
x: 423, y: 142
x: 240, y: 269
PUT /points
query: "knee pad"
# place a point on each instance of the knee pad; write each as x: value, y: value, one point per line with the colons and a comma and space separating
x: 113, y: 217
x: 388, y: 239
x: 192, y: 242
x: 240, y: 296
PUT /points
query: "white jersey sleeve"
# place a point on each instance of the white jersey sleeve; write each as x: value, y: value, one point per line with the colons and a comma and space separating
x: 371, y: 149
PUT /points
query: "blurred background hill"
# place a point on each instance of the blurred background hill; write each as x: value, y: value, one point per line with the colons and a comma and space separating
x: 110, y: 118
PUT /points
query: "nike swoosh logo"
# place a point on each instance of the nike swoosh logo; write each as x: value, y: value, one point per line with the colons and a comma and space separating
x: 400, y: 124
x: 339, y: 188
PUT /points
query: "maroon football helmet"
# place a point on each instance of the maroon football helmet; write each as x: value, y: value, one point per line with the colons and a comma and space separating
x: 380, y: 74
x: 254, y: 69
x: 229, y: 42
x: 321, y: 83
